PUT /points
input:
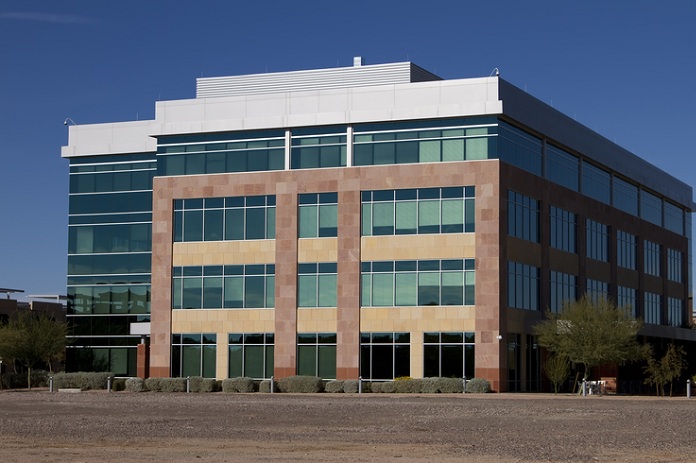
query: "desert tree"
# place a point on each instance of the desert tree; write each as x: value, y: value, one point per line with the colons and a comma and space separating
x: 666, y: 370
x: 591, y: 332
x: 31, y: 338
x: 557, y: 369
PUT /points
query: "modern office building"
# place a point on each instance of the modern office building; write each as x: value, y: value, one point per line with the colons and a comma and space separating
x: 372, y: 221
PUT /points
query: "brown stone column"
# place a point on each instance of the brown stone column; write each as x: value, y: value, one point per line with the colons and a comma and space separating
x: 348, y: 299
x: 143, y: 361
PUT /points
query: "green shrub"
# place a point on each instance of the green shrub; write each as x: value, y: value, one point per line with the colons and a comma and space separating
x: 334, y: 386
x: 135, y: 385
x: 172, y: 384
x: 301, y: 384
x: 374, y: 387
x: 240, y: 384
x: 265, y: 386
x: 119, y: 384
x: 478, y: 386
x: 350, y: 386
x: 407, y: 386
x: 153, y: 384
x: 441, y: 385
x: 388, y: 387
x: 81, y: 380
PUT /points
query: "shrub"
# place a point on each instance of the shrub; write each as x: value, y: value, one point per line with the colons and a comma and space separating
x: 374, y: 387
x: 153, y: 384
x: 172, y: 384
x: 265, y: 386
x: 118, y: 385
x: 478, y: 386
x: 39, y: 378
x: 240, y: 384
x: 388, y: 387
x: 135, y: 385
x: 441, y: 385
x: 81, y: 380
x: 301, y: 384
x: 334, y: 386
x: 200, y: 384
x: 350, y: 386
x: 407, y: 386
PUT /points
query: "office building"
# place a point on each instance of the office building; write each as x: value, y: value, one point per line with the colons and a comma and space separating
x: 372, y: 221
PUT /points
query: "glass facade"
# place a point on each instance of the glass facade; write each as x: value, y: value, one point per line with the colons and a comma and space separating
x: 317, y: 147
x: 406, y: 283
x: 224, y: 219
x: 628, y: 298
x: 425, y: 141
x: 595, y: 183
x: 651, y: 258
x: 223, y: 287
x: 523, y: 286
x: 216, y: 153
x: 564, y: 290
x: 597, y: 240
x: 564, y: 228
x: 316, y: 355
x: 418, y: 211
x: 449, y: 355
x: 109, y: 255
x: 675, y: 311
x: 193, y: 354
x: 522, y: 216
x: 674, y: 265
x: 250, y: 355
x: 626, y: 249
x: 652, y: 305
x: 597, y: 289
x: 318, y: 215
x: 316, y: 284
x: 562, y: 168
x: 385, y: 356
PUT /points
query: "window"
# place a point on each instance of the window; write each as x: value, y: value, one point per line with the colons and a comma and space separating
x: 674, y: 265
x: 385, y: 356
x: 626, y: 248
x: 218, y: 219
x: 418, y: 211
x: 650, y: 207
x: 564, y: 289
x: 193, y: 354
x: 316, y: 284
x: 317, y: 147
x: 449, y: 355
x: 597, y: 290
x: 223, y: 287
x: 675, y: 311
x: 519, y: 148
x: 597, y: 240
x: 652, y: 308
x: 423, y: 141
x: 563, y: 230
x: 250, y: 355
x: 522, y: 286
x: 221, y: 152
x: 674, y: 218
x: 418, y: 283
x: 627, y: 298
x: 562, y: 167
x: 318, y: 215
x: 316, y: 355
x: 651, y: 258
x: 596, y: 183
x: 523, y: 217
x: 625, y: 196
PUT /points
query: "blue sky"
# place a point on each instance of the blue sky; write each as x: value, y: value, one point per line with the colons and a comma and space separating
x: 626, y: 69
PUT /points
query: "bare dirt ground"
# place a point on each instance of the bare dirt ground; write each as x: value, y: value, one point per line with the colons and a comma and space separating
x: 127, y: 427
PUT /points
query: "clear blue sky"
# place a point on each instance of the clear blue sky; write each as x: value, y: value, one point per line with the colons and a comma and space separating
x: 625, y: 68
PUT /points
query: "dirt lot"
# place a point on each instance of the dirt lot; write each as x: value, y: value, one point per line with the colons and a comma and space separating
x: 134, y: 427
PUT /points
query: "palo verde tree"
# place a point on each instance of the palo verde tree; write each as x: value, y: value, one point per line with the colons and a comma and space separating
x: 32, y: 338
x: 665, y: 370
x: 557, y: 369
x: 592, y: 333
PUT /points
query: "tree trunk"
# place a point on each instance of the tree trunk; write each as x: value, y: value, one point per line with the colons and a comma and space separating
x: 29, y: 378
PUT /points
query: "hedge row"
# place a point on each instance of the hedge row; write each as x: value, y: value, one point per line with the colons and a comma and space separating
x: 81, y: 380
x: 308, y: 384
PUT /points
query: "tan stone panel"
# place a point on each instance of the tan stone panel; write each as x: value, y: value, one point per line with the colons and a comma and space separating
x: 413, y: 247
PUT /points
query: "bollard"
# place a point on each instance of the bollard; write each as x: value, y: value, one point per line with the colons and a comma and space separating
x: 584, y: 388
x: 50, y: 384
x: 188, y: 384
x: 108, y: 383
x: 359, y: 384
x: 272, y: 387
x: 688, y: 388
x: 464, y: 385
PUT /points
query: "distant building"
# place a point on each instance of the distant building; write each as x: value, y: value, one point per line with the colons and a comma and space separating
x: 372, y: 221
